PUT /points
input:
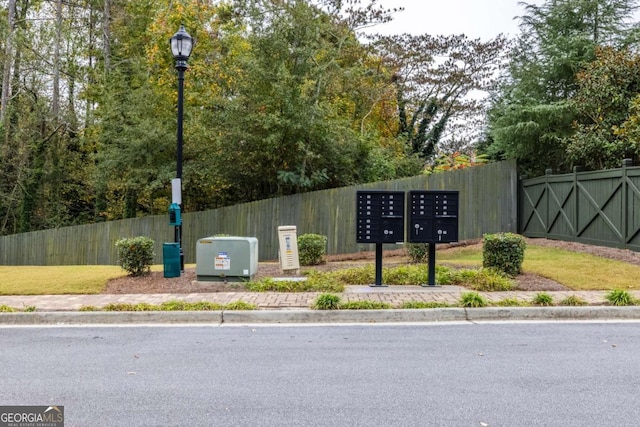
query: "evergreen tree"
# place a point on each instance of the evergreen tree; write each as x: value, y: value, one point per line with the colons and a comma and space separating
x: 532, y: 115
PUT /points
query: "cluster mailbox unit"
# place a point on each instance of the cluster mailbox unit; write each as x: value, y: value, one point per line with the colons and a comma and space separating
x: 432, y: 217
x: 380, y: 219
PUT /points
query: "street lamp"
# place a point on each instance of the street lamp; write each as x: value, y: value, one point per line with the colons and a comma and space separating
x: 181, y: 46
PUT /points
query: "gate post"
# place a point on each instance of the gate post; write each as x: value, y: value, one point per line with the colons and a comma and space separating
x: 625, y: 199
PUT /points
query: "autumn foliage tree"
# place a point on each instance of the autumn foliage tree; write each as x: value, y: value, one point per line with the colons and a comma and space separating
x: 433, y: 78
x: 281, y: 97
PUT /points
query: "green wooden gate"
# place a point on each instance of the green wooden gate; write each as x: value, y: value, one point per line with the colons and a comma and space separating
x: 600, y: 208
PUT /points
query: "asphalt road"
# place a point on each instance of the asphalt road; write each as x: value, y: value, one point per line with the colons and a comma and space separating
x: 523, y: 374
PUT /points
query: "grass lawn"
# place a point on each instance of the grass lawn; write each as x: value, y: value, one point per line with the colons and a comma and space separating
x: 578, y: 271
x: 51, y: 280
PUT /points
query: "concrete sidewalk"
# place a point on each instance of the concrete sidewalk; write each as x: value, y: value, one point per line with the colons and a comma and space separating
x: 394, y: 295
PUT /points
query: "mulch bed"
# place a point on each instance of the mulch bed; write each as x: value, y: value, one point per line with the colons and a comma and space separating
x: 186, y: 283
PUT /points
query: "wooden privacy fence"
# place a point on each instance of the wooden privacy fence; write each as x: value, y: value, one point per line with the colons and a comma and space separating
x: 599, y: 208
x: 488, y: 204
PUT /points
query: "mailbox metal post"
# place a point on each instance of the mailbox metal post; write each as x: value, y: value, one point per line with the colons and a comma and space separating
x: 432, y: 265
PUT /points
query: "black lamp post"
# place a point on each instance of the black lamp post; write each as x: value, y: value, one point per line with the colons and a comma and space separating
x: 181, y: 46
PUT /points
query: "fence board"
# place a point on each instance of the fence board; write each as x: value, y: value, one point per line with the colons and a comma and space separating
x: 488, y: 204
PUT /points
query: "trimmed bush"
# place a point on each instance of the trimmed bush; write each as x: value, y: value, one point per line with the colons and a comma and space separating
x: 418, y: 252
x: 312, y: 249
x: 504, y: 252
x: 135, y: 255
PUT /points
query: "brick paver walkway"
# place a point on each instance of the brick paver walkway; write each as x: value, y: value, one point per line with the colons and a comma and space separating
x: 394, y: 295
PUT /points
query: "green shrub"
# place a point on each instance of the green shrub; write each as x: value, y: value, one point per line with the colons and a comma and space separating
x: 119, y: 307
x: 484, y: 280
x: 573, y: 300
x: 124, y: 307
x: 327, y: 302
x: 240, y: 305
x: 312, y: 249
x: 135, y: 255
x: 512, y: 302
x: 472, y: 299
x: 30, y: 309
x: 175, y: 305
x: 504, y: 252
x: 364, y: 305
x: 364, y: 275
x: 89, y: 308
x: 619, y: 297
x: 6, y: 309
x: 202, y: 306
x: 444, y: 275
x: 418, y: 252
x: 316, y: 282
x: 423, y: 304
x: 405, y: 275
x: 542, y: 298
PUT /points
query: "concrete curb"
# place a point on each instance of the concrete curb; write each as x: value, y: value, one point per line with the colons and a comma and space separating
x: 345, y: 316
x: 553, y: 313
x: 109, y: 317
x: 306, y: 316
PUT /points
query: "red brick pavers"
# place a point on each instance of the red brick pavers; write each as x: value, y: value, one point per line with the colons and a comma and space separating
x: 394, y: 295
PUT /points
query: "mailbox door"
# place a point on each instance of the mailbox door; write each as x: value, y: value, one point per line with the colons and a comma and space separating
x: 445, y: 230
x: 380, y: 216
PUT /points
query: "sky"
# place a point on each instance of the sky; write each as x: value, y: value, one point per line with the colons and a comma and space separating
x: 483, y: 19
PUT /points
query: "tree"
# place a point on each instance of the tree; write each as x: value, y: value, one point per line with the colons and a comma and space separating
x: 531, y: 113
x: 607, y: 88
x: 433, y: 78
x: 299, y: 116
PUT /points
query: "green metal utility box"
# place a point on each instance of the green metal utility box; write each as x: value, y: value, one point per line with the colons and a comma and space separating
x: 226, y: 259
x: 171, y: 259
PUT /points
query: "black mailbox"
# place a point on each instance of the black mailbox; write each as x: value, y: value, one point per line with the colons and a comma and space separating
x: 432, y: 216
x: 380, y: 216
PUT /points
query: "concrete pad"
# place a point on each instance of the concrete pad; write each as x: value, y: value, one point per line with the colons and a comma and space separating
x: 364, y: 289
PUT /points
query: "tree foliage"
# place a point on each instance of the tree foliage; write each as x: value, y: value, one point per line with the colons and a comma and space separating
x: 433, y: 78
x: 532, y: 112
x: 280, y: 97
x: 607, y: 89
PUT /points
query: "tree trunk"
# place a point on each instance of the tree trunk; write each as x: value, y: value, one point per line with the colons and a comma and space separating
x: 55, y: 100
x: 8, y: 60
